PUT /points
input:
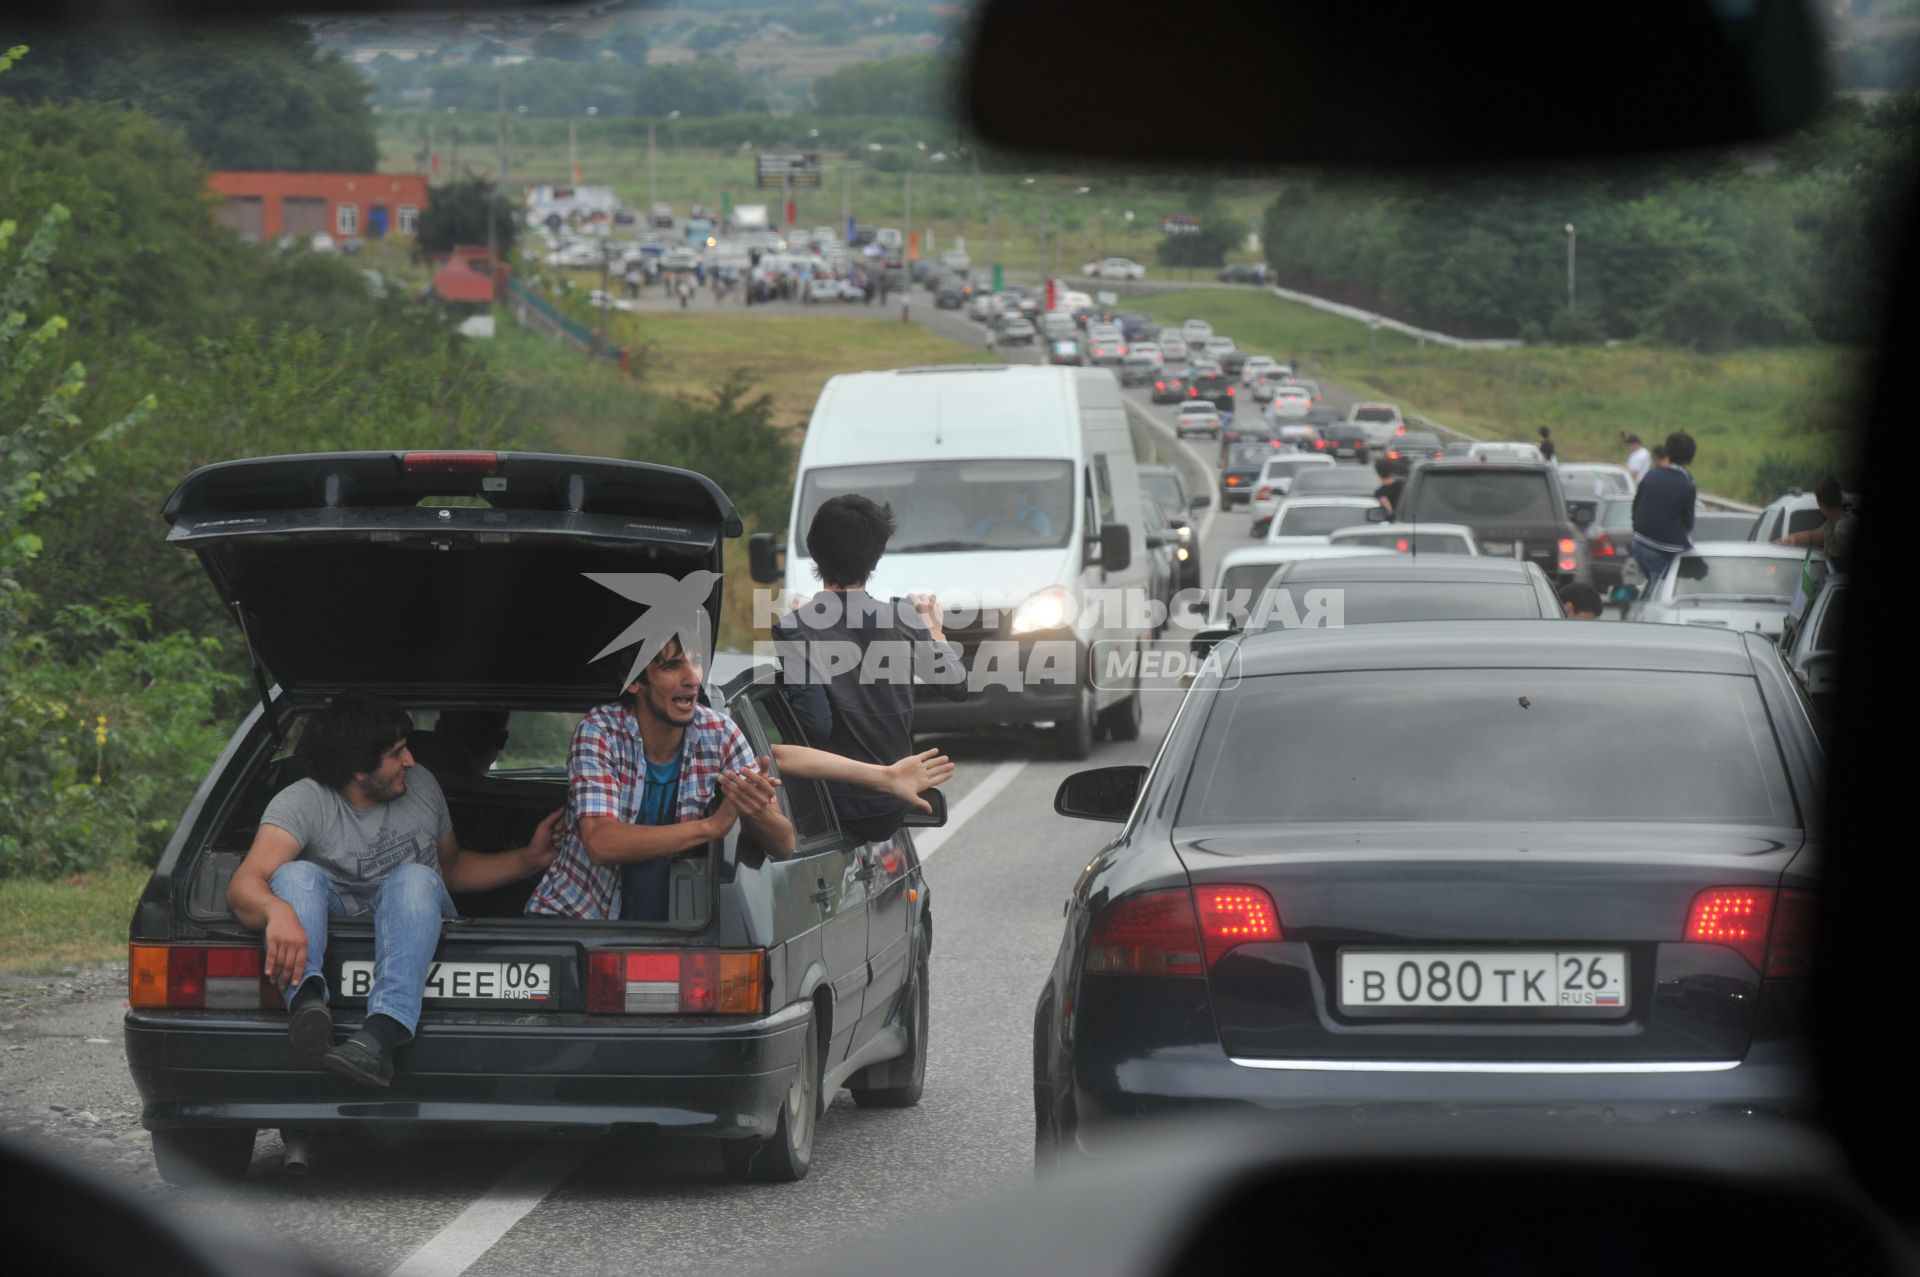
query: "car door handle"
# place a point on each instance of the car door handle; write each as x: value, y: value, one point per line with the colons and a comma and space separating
x: 824, y: 894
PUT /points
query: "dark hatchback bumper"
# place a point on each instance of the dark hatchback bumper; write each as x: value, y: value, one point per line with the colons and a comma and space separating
x: 540, y: 1073
x: 1772, y: 1081
x: 993, y: 705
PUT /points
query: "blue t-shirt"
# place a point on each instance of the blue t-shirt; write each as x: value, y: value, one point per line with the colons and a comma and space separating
x: 643, y: 884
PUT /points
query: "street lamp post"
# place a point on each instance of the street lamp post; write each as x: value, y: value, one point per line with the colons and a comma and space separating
x: 1572, y: 239
x: 906, y: 293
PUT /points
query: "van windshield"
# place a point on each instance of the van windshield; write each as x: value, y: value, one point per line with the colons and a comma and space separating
x: 956, y: 505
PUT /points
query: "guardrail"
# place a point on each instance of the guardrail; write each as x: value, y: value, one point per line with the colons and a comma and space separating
x: 534, y: 312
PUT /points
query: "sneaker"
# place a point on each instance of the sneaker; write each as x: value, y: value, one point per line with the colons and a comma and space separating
x: 309, y: 1024
x: 361, y: 1058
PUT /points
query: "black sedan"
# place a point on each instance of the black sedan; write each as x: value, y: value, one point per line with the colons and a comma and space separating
x: 772, y: 981
x: 1216, y: 388
x: 1170, y: 388
x: 1344, y: 439
x: 1530, y: 921
x: 1240, y: 466
x: 1165, y: 484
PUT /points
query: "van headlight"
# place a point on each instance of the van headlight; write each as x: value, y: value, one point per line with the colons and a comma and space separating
x: 1051, y: 609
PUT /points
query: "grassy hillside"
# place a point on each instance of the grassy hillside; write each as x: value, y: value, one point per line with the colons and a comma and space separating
x: 1763, y: 418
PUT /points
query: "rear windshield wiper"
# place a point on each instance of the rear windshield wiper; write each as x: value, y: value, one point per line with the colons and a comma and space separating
x: 934, y: 547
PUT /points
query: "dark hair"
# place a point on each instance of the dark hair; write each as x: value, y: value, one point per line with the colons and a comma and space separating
x: 1680, y: 448
x: 1383, y: 468
x: 479, y: 731
x: 669, y: 650
x: 1626, y: 437
x: 847, y: 537
x: 350, y: 736
x: 1829, y: 493
x: 1543, y: 432
x: 1583, y: 597
x: 1659, y: 451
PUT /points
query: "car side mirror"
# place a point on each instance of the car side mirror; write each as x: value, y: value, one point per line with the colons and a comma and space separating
x: 917, y: 819
x: 1204, y: 641
x: 1379, y: 514
x: 1115, y: 547
x: 1104, y: 793
x: 1200, y: 502
x: 763, y: 558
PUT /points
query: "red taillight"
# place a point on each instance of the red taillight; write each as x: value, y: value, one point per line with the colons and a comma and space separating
x: 1159, y: 385
x: 1155, y: 933
x: 1403, y: 545
x: 1319, y: 445
x: 676, y: 982
x: 1772, y: 930
x: 1229, y: 392
x: 1392, y: 455
x: 1568, y: 551
x: 1263, y: 494
x: 1603, y: 546
x: 220, y: 977
x: 450, y: 462
x: 1231, y: 916
x: 1193, y: 390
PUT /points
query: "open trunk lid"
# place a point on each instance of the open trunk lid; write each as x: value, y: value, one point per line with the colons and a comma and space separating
x: 447, y: 572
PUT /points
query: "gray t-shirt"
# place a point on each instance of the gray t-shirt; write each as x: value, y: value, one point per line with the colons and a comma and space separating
x: 358, y: 849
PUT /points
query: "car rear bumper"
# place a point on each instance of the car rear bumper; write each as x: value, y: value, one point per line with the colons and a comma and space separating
x: 993, y: 705
x: 1774, y: 1080
x: 550, y: 1072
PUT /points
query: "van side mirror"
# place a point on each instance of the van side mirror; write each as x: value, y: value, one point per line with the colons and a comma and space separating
x: 916, y: 819
x: 763, y: 558
x: 1104, y: 793
x: 1116, y: 547
x: 1379, y: 514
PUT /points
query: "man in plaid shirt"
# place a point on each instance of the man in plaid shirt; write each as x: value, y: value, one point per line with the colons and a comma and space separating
x: 641, y: 775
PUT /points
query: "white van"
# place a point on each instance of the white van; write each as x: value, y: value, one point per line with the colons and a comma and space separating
x: 1018, y: 505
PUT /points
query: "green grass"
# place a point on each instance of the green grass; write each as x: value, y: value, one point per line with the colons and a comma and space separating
x: 1751, y: 411
x: 46, y: 926
x: 1042, y: 226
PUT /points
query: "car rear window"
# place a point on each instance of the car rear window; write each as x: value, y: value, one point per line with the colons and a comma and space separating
x: 1287, y: 467
x: 1310, y: 747
x: 1404, y: 541
x: 1481, y: 496
x: 1373, y: 414
x: 1828, y: 637
x: 1318, y: 520
x: 1377, y: 602
x: 1698, y: 576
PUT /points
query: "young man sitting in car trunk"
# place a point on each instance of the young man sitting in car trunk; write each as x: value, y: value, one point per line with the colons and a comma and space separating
x: 366, y: 833
x: 642, y: 776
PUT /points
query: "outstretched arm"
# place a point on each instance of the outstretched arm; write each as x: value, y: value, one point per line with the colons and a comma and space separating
x: 905, y: 779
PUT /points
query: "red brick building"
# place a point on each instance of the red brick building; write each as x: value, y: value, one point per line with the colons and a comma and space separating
x: 344, y: 205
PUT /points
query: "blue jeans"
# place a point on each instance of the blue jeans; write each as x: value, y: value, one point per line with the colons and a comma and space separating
x: 407, y: 910
x: 1653, y: 562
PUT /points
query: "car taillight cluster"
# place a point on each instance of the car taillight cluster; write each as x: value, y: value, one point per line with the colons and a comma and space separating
x: 1771, y: 928
x: 1602, y: 546
x: 1179, y: 932
x: 1569, y: 555
x: 198, y: 976
x: 1263, y: 494
x: 677, y: 982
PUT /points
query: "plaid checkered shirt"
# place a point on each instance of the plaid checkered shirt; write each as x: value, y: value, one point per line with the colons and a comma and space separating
x: 606, y: 777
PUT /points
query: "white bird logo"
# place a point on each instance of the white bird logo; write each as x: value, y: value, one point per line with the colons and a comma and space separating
x: 675, y: 608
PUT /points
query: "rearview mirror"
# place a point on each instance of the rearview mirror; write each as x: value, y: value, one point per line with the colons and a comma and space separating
x: 1104, y: 793
x: 763, y: 558
x: 916, y: 819
x: 1379, y: 514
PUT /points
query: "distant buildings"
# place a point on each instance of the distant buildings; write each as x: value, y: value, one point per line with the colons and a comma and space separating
x: 261, y: 206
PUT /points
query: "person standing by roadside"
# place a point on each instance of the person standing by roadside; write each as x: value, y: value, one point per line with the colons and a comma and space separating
x: 1639, y: 460
x: 1663, y: 509
x: 1547, y: 449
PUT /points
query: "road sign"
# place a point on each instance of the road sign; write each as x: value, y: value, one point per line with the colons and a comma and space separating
x: 1107, y: 299
x: 999, y: 279
x: 791, y: 169
x: 1180, y: 224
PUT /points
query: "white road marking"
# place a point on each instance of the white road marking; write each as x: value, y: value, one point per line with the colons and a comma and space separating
x: 966, y: 809
x: 473, y: 1232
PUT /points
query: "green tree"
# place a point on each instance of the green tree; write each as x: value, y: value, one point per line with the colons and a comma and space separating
x: 262, y: 96
x: 731, y: 439
x: 561, y: 46
x: 920, y: 87
x: 457, y: 214
x: 631, y: 46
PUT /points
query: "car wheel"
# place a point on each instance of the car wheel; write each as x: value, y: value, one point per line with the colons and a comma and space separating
x: 203, y: 1155
x: 1073, y: 738
x: 909, y: 1074
x: 788, y: 1154
x: 1123, y: 720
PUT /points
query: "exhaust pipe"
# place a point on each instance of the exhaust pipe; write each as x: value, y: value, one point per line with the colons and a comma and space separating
x: 295, y: 1143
